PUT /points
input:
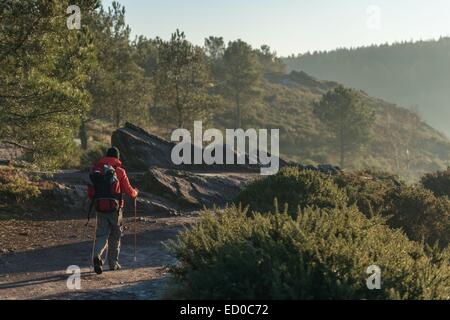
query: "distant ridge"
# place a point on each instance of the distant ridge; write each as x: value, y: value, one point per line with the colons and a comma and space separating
x: 413, y: 74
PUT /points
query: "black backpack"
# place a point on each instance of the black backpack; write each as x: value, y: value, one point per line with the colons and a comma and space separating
x: 107, y: 196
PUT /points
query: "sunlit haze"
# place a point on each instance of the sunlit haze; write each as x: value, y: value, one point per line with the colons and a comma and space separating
x: 290, y: 26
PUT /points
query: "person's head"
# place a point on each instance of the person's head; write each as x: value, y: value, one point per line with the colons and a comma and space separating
x: 113, y: 152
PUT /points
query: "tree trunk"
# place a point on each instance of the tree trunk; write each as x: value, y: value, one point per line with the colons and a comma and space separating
x: 83, y: 135
x: 180, y: 117
x: 238, y: 123
x: 341, y: 139
x: 117, y: 118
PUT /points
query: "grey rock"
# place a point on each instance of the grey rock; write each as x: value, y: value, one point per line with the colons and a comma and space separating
x: 141, y: 150
x: 191, y: 189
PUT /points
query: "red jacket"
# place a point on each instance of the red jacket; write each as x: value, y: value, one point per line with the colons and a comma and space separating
x: 124, y: 183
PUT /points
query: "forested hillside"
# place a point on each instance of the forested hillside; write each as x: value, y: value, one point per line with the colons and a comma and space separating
x: 63, y: 92
x: 399, y: 140
x: 412, y: 74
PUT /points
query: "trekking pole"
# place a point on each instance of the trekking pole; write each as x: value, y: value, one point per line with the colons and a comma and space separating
x: 95, y: 238
x: 135, y: 230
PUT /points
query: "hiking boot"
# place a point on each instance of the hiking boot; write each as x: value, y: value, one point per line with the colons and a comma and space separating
x: 115, y: 267
x: 98, y: 265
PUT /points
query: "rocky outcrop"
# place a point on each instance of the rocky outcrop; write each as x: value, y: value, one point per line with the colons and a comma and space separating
x: 189, y: 189
x: 141, y: 150
x: 70, y: 197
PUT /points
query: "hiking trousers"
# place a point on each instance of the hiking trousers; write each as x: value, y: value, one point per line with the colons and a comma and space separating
x: 108, y: 235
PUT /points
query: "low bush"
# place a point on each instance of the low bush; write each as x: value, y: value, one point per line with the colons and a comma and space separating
x: 421, y: 214
x: 16, y: 187
x: 323, y: 254
x: 24, y: 193
x: 438, y: 182
x: 295, y: 187
x: 368, y: 190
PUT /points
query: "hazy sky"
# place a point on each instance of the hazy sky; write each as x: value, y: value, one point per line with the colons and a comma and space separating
x: 292, y: 26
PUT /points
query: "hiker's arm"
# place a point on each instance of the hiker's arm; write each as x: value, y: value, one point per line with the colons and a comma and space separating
x: 125, y: 184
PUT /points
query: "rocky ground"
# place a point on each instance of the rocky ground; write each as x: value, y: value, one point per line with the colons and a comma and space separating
x: 35, y: 255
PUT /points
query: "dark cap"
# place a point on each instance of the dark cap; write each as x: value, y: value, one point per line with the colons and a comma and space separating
x: 113, y: 152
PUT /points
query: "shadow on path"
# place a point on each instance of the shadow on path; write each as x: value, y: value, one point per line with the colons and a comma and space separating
x: 151, y: 253
x: 139, y: 290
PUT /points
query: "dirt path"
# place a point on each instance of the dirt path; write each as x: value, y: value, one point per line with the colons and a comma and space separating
x: 34, y: 256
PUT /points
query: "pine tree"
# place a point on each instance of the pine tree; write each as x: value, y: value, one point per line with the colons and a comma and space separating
x: 347, y: 118
x: 43, y: 77
x: 241, y: 73
x: 182, y: 81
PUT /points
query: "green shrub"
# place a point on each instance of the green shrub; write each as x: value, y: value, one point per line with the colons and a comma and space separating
x: 53, y: 146
x: 16, y: 187
x: 295, y: 187
x: 437, y: 182
x: 420, y: 214
x: 416, y: 210
x: 368, y: 190
x: 323, y: 254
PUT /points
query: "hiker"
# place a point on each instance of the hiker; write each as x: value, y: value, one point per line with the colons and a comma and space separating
x: 109, y: 182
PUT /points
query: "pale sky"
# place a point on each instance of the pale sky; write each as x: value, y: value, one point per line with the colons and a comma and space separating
x: 292, y: 26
